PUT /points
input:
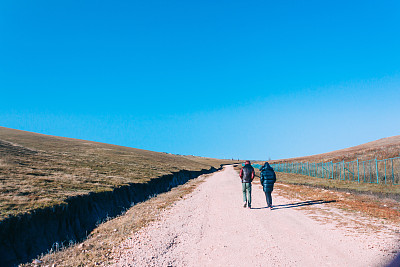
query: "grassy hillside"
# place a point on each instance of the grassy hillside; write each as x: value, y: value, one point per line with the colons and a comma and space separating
x: 39, y: 170
x: 381, y: 149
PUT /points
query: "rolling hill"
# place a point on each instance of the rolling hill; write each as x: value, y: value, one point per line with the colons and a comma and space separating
x: 38, y: 171
x: 381, y: 149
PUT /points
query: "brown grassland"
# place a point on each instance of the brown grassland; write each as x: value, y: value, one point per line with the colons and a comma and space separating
x: 380, y: 149
x: 38, y: 171
x: 392, y: 191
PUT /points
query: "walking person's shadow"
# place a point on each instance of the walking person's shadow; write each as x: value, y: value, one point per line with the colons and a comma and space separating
x: 298, y: 204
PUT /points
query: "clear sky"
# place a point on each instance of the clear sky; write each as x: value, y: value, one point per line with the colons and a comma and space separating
x: 227, y: 79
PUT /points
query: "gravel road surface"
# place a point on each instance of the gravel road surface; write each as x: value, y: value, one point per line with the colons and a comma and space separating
x: 210, y: 227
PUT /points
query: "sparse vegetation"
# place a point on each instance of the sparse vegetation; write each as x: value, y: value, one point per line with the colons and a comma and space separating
x: 380, y: 149
x: 392, y: 191
x: 38, y: 171
x: 369, y: 205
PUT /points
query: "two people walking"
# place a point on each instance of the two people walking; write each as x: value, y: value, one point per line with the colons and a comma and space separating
x: 267, y: 179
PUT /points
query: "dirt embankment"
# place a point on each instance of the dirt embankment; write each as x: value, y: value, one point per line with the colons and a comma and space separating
x: 25, y: 236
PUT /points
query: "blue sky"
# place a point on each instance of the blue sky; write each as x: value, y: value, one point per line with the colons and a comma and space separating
x: 241, y: 79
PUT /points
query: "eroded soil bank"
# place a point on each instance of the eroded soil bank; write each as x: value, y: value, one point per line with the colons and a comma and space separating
x: 24, y: 237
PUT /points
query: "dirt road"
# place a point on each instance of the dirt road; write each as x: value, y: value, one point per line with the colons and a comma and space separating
x: 211, y: 228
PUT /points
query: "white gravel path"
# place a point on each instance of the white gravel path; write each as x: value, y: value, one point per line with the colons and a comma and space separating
x: 211, y: 228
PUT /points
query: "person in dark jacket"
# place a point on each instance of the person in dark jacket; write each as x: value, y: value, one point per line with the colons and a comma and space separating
x: 247, y: 175
x: 267, y: 179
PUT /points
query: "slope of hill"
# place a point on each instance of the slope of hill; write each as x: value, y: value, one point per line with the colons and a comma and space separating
x: 39, y: 171
x: 56, y: 190
x: 381, y: 149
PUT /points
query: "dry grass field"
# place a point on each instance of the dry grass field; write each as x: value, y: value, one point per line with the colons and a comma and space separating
x: 380, y: 149
x: 391, y: 191
x: 38, y: 171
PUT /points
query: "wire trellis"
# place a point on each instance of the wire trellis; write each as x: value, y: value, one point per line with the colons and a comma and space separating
x: 374, y: 171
